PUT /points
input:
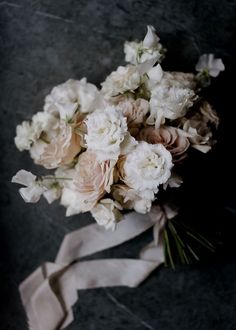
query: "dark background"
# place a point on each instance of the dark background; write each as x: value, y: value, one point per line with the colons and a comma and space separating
x: 43, y: 43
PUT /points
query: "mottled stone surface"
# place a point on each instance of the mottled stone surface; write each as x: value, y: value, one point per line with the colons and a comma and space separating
x: 45, y: 42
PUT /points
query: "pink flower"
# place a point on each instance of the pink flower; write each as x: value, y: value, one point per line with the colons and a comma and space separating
x: 172, y: 138
x: 62, y: 149
x: 135, y: 112
x: 93, y: 179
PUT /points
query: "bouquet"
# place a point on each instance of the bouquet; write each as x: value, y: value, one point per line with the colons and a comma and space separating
x: 120, y: 148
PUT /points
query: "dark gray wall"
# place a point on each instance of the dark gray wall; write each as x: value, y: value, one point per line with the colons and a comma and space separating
x: 45, y: 42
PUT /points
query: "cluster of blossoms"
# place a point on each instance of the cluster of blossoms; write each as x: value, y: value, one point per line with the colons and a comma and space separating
x: 112, y: 149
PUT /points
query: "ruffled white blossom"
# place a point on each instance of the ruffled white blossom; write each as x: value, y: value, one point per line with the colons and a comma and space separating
x: 70, y: 96
x: 124, y: 79
x: 105, y: 132
x: 146, y: 167
x: 209, y: 64
x: 169, y: 99
x: 107, y: 213
x: 24, y: 136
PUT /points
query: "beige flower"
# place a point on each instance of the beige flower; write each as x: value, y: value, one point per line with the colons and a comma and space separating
x: 62, y: 149
x: 93, y: 179
x: 135, y: 112
x: 172, y: 138
x: 129, y: 199
x: 199, y: 127
x: 107, y: 213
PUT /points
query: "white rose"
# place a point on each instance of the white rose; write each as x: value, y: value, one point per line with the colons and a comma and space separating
x: 125, y: 78
x: 106, y: 213
x: 146, y: 167
x: 70, y: 96
x: 24, y: 136
x: 105, y: 132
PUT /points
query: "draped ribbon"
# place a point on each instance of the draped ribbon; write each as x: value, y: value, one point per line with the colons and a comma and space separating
x: 49, y: 293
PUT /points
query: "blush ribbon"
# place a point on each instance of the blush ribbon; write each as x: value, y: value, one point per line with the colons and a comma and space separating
x: 49, y: 293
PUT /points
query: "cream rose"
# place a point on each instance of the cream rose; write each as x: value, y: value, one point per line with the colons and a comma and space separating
x: 199, y: 127
x: 62, y: 149
x: 135, y: 112
x: 106, y: 213
x: 125, y: 78
x: 172, y: 138
x: 92, y: 179
x: 145, y: 168
x: 105, y: 132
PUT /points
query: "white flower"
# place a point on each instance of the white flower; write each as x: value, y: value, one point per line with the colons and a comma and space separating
x: 146, y: 52
x: 33, y: 188
x: 142, y: 205
x: 131, y: 51
x: 69, y: 199
x: 146, y: 167
x: 70, y: 96
x: 89, y: 97
x: 43, y: 122
x: 155, y: 75
x: 169, y: 99
x: 43, y: 125
x: 125, y: 78
x: 24, y: 136
x: 105, y: 132
x: 213, y: 66
x: 106, y: 213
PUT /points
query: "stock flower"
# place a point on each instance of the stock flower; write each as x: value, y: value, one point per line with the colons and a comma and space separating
x: 71, y: 96
x: 145, y: 168
x: 172, y: 138
x: 170, y: 99
x: 24, y: 136
x: 105, y: 132
x: 208, y: 63
x: 107, y: 213
x: 124, y: 79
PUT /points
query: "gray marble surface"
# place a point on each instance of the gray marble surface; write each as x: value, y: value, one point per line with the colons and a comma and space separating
x: 45, y: 42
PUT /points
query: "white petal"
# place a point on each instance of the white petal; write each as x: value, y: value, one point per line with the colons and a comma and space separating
x: 151, y: 39
x: 31, y: 194
x: 128, y: 144
x: 24, y: 177
x: 52, y: 194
